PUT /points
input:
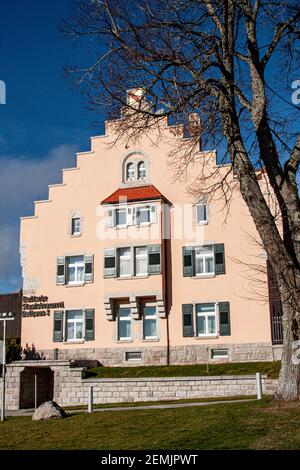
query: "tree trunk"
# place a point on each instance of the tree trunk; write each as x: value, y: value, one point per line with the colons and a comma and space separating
x: 289, y: 377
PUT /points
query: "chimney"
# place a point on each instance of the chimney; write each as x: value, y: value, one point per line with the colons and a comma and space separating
x: 135, y: 96
x: 195, y: 127
x: 194, y: 123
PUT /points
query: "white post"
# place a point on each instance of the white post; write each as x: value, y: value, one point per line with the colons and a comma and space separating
x: 90, y: 401
x: 258, y: 386
x: 3, y: 372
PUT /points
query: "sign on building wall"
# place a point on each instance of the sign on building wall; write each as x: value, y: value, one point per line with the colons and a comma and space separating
x: 39, y: 306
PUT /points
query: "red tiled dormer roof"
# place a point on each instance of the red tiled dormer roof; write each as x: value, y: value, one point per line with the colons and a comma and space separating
x: 139, y: 193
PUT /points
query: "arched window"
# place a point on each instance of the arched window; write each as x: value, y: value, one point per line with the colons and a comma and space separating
x: 141, y: 171
x: 130, y: 171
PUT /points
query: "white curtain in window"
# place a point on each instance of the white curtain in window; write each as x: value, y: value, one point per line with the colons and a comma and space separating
x: 141, y: 171
x: 130, y: 171
x: 124, y: 261
x: 141, y: 262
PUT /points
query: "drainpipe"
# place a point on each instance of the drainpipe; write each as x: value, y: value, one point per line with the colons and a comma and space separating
x: 165, y: 279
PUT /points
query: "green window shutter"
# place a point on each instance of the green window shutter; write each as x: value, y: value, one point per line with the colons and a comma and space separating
x: 187, y: 320
x: 110, y: 262
x: 219, y: 258
x: 224, y: 318
x: 66, y: 326
x: 154, y: 259
x: 60, y: 270
x: 58, y: 325
x: 89, y: 324
x: 188, y: 261
x: 89, y: 268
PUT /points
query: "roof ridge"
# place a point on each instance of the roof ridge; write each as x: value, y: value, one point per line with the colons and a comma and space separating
x: 135, y: 193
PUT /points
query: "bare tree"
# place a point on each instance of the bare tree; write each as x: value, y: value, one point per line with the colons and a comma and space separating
x: 224, y: 60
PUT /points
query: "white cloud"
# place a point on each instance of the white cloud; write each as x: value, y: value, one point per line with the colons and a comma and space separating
x: 23, y: 180
x: 9, y: 267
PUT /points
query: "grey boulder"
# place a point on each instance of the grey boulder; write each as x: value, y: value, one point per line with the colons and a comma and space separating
x: 48, y: 410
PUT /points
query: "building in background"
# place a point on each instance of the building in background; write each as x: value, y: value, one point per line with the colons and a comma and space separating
x: 126, y: 265
x: 11, y: 303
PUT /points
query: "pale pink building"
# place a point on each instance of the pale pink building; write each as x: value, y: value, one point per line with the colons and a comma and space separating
x: 135, y: 268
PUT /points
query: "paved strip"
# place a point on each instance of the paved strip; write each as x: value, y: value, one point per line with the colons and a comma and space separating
x: 166, y: 406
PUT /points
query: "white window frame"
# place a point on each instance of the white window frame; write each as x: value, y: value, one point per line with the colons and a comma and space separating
x: 140, y: 163
x: 115, y: 216
x: 132, y: 171
x: 205, y: 256
x: 131, y: 257
x: 143, y: 256
x: 126, y: 258
x: 76, y: 266
x: 131, y: 215
x: 206, y: 315
x: 150, y: 317
x: 75, y: 321
x: 198, y: 205
x: 143, y: 208
x: 75, y: 233
x: 128, y: 318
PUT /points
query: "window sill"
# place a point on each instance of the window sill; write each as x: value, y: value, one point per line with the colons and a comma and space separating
x: 81, y: 284
x: 75, y: 235
x: 204, y: 276
x: 205, y: 222
x: 120, y: 278
x: 206, y: 337
x: 125, y: 341
x: 73, y: 341
x: 150, y: 340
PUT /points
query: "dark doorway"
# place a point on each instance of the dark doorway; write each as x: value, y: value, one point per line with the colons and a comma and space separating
x: 45, y: 385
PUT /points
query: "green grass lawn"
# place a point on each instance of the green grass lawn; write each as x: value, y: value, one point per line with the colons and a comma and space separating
x: 160, y: 402
x: 238, y: 368
x: 250, y: 425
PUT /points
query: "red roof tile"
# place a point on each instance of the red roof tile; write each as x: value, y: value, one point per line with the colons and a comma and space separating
x: 139, y: 193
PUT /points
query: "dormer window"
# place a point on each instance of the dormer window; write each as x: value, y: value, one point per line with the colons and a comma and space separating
x: 130, y: 171
x: 141, y: 171
x: 135, y: 169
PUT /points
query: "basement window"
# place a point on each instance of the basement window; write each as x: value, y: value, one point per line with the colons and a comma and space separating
x: 133, y: 356
x: 219, y: 353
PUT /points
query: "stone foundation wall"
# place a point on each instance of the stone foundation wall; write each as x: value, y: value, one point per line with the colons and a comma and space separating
x: 69, y: 386
x: 157, y: 389
x: 157, y: 355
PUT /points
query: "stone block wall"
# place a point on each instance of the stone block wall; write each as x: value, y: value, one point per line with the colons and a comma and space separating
x: 157, y: 355
x: 71, y: 388
x: 157, y: 389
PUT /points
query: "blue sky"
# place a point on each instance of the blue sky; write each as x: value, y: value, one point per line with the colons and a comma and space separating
x: 43, y: 122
